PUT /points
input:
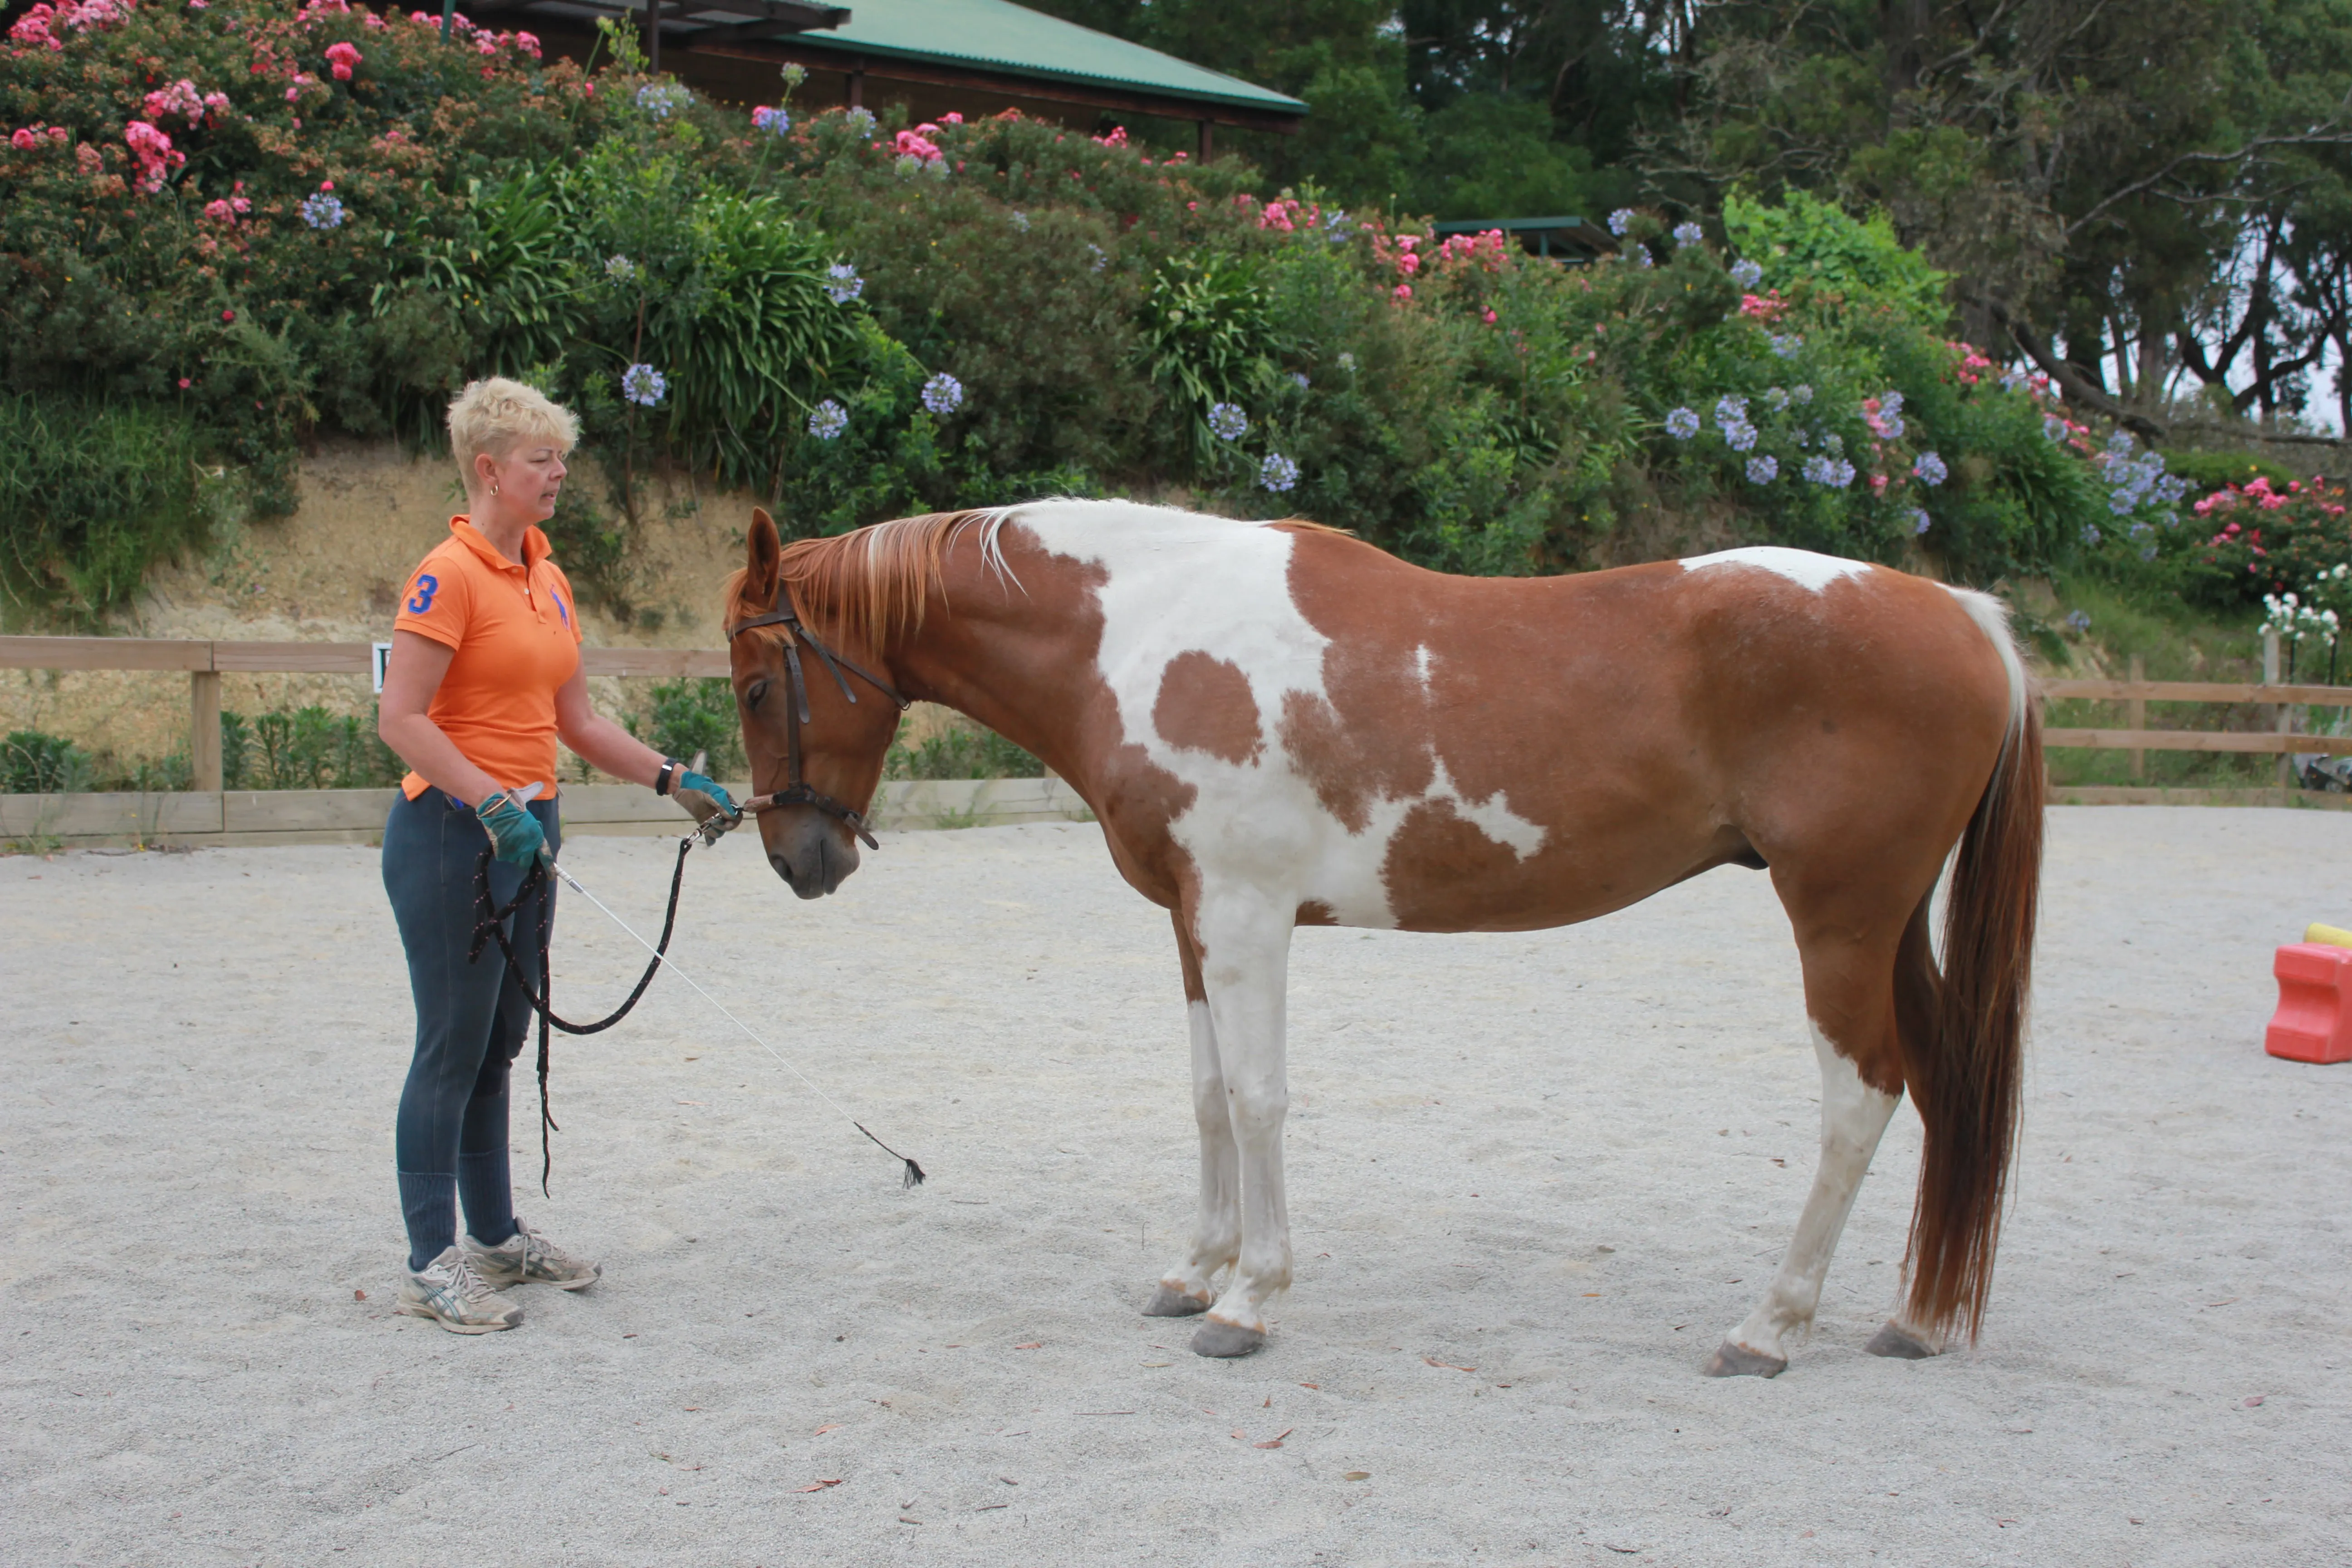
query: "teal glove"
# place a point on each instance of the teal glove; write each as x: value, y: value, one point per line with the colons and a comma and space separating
x: 707, y: 800
x: 516, y: 836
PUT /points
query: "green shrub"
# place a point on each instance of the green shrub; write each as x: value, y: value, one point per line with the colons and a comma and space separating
x: 34, y: 763
x: 1838, y: 255
x: 306, y: 748
x: 93, y: 495
x: 684, y: 716
x: 1209, y: 337
x: 962, y: 749
x: 2207, y: 471
x: 237, y: 752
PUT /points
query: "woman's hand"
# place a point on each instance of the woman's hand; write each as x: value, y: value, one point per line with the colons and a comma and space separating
x: 706, y: 800
x: 516, y: 836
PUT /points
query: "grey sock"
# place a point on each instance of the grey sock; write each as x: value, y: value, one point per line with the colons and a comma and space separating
x: 428, y: 1203
x: 487, y: 1189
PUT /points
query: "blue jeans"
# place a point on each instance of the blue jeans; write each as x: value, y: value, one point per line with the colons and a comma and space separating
x: 471, y: 1022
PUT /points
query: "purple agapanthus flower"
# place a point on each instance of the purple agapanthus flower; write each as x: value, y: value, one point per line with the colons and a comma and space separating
x: 943, y: 395
x: 644, y: 386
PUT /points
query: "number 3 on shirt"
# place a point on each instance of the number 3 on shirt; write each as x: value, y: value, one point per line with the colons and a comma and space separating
x: 428, y: 586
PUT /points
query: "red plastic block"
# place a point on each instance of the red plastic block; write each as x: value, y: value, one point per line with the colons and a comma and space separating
x: 2313, y: 1021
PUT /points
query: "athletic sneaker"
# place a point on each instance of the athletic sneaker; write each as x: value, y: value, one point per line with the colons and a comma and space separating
x: 527, y: 1257
x: 453, y: 1294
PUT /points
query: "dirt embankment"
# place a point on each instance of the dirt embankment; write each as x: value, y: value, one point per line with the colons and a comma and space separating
x: 332, y: 573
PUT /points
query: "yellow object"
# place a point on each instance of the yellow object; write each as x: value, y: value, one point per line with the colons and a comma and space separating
x: 2334, y: 936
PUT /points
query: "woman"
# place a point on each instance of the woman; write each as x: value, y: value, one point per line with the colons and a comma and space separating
x: 485, y: 677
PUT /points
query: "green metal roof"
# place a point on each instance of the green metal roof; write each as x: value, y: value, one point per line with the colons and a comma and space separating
x: 1030, y: 43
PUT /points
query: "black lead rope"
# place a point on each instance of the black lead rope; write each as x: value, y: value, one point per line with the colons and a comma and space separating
x: 490, y: 924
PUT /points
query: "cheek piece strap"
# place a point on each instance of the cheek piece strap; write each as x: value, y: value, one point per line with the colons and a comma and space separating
x: 797, y: 790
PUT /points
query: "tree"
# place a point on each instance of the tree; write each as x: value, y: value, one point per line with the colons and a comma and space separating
x: 2088, y: 171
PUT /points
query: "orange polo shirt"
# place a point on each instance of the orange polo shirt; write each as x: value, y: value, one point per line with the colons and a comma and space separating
x: 517, y: 641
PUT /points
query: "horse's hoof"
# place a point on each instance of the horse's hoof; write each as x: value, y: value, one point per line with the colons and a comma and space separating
x: 1226, y: 1340
x: 1167, y: 1303
x: 1898, y: 1342
x: 1737, y: 1361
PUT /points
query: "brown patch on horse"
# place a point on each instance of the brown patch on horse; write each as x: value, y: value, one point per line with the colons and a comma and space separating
x: 1205, y: 705
x: 1348, y: 770
x: 1188, y: 959
x: 1447, y: 868
x: 1136, y: 801
x: 1316, y: 912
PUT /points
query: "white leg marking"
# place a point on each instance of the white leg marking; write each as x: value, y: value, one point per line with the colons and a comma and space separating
x: 1246, y: 963
x: 1854, y: 1117
x: 1216, y: 1224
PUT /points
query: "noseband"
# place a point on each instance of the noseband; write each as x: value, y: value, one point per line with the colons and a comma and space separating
x: 796, y: 791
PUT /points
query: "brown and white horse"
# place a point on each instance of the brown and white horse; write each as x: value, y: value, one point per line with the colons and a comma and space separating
x: 1278, y: 724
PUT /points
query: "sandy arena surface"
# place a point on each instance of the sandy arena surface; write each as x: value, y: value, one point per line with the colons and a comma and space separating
x: 1533, y: 1179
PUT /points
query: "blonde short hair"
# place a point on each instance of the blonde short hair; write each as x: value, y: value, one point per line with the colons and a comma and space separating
x: 495, y: 416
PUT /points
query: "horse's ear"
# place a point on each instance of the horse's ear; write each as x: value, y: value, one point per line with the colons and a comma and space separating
x: 764, y: 557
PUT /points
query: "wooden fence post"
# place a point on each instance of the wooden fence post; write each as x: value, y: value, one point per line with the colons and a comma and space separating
x: 2136, y: 712
x: 2281, y: 716
x: 204, y: 730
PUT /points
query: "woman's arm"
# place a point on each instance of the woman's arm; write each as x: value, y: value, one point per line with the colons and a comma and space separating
x: 596, y: 739
x: 411, y: 677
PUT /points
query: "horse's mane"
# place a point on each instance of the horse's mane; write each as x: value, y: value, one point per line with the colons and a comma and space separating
x: 872, y: 584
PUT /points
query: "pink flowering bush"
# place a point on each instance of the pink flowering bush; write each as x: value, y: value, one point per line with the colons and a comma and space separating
x: 2262, y: 536
x: 150, y: 246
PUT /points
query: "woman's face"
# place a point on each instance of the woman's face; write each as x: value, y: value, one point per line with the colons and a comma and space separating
x: 525, y: 481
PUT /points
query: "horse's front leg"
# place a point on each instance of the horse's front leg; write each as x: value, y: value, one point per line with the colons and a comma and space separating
x: 1244, y: 953
x: 1189, y: 1286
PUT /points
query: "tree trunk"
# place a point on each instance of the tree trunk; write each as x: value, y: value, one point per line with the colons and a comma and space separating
x: 1903, y: 26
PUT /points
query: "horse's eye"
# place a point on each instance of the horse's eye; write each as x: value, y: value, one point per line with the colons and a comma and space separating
x: 752, y: 698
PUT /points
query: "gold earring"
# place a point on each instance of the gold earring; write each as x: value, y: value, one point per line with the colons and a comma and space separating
x: 494, y: 490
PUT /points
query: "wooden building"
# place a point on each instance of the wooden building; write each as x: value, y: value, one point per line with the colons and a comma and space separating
x: 974, y: 57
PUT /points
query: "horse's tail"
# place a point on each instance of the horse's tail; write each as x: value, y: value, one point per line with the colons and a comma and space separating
x: 1965, y: 1072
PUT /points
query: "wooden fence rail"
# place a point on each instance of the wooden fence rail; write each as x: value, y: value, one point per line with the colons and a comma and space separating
x: 2282, y: 739
x: 205, y: 662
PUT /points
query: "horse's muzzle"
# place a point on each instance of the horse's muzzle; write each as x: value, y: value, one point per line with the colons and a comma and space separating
x: 812, y: 853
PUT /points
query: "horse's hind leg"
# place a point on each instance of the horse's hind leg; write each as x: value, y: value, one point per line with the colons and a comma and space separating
x: 1854, y: 1117
x: 1849, y: 994
x: 1216, y: 1238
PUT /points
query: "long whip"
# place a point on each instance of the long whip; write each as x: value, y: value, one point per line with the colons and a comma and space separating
x: 913, y: 1172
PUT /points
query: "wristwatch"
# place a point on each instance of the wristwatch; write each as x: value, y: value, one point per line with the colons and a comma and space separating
x: 669, y: 771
